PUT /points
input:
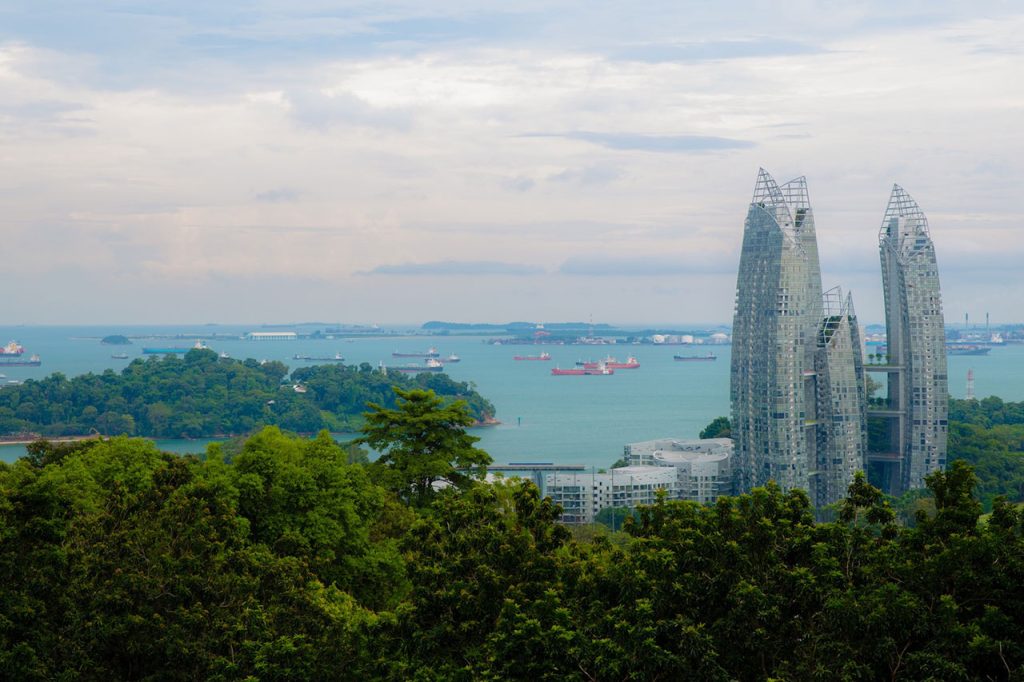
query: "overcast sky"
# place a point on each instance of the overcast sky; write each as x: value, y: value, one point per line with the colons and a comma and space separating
x: 293, y: 160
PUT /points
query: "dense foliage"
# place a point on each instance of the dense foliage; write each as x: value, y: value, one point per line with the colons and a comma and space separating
x: 202, y: 394
x: 989, y: 434
x: 287, y: 562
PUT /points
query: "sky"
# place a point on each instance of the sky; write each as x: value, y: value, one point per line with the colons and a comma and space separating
x: 397, y: 162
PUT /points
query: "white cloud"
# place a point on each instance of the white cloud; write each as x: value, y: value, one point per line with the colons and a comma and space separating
x: 530, y: 146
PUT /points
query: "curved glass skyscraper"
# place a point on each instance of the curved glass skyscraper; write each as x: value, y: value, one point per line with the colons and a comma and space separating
x: 917, y: 408
x: 797, y: 388
x: 778, y: 306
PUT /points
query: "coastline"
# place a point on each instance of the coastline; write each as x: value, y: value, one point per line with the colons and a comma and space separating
x: 17, y: 440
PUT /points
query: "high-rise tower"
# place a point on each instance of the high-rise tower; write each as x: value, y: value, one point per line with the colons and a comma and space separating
x: 841, y: 411
x: 778, y: 311
x: 797, y: 385
x: 917, y: 407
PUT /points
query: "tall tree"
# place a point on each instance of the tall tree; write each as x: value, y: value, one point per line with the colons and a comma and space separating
x: 421, y: 442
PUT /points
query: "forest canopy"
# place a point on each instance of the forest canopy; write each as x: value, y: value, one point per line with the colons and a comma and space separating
x: 118, y: 561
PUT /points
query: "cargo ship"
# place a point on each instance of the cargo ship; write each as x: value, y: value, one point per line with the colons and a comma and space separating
x: 199, y: 345
x: 119, y: 356
x: 542, y: 356
x: 611, y: 363
x: 13, y: 348
x: 33, y: 361
x: 431, y: 365
x: 697, y: 358
x: 582, y: 371
x: 451, y: 358
x: 966, y: 349
x: 429, y: 353
x: 311, y: 358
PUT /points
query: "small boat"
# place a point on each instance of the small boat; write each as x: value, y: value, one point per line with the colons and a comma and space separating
x: 429, y: 353
x: 695, y: 358
x: 451, y: 358
x: 119, y: 356
x: 582, y: 371
x: 542, y: 356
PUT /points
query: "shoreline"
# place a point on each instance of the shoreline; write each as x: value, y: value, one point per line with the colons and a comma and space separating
x: 58, y: 439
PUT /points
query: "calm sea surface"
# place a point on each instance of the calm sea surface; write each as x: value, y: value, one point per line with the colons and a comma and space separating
x: 561, y: 419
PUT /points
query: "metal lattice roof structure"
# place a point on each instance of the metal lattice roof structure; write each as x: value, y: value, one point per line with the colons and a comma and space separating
x: 902, y: 207
x: 795, y: 192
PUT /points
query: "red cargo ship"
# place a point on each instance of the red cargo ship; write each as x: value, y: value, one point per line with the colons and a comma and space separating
x: 13, y: 348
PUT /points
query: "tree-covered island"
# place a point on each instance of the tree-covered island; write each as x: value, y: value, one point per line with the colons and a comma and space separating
x: 203, y: 395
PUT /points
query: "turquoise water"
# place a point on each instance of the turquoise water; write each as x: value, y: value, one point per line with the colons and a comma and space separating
x: 567, y: 419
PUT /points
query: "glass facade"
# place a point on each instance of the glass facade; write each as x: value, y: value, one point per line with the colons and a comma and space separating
x: 841, y: 396
x: 915, y: 331
x: 778, y: 306
x: 797, y: 386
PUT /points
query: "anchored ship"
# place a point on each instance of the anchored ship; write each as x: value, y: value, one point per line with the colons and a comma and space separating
x: 33, y: 361
x: 966, y: 349
x: 429, y: 353
x: 690, y: 358
x: 198, y: 345
x: 13, y: 348
x: 611, y: 363
x: 542, y: 356
x: 431, y: 365
x: 582, y: 371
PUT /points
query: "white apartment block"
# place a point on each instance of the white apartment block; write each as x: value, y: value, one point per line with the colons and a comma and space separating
x: 697, y: 470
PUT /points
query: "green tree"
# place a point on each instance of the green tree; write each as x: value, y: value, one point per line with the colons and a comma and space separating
x: 421, y: 442
x: 718, y: 428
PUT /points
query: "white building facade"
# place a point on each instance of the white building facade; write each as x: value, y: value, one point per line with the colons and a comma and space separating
x: 697, y: 470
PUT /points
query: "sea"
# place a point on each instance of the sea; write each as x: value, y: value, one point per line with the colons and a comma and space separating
x: 583, y: 420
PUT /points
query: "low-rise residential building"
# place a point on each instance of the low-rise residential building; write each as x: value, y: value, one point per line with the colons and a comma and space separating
x: 697, y: 470
x: 703, y: 465
x: 583, y: 494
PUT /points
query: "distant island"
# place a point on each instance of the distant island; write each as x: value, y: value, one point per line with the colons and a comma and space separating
x: 116, y: 340
x: 202, y: 395
x: 437, y: 325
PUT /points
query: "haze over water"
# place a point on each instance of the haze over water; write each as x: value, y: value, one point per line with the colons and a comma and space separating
x: 567, y: 420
